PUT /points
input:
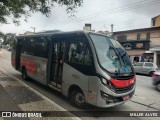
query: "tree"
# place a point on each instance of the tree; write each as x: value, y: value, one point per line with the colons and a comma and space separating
x: 1, y: 34
x: 17, y: 8
x: 1, y: 37
x: 8, y: 39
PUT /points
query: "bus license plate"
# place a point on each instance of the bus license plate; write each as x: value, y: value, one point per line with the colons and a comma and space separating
x: 126, y: 97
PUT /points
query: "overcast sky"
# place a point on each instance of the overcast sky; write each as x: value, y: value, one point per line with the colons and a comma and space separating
x: 124, y: 14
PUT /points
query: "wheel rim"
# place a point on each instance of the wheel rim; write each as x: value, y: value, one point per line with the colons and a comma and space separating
x: 79, y: 98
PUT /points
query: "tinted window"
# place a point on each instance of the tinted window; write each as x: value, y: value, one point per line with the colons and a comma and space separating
x: 78, y: 52
x: 138, y: 64
x: 40, y: 47
x: 36, y: 46
x: 149, y: 64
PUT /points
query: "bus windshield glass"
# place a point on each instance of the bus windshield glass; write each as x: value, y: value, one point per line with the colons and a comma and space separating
x: 111, y: 55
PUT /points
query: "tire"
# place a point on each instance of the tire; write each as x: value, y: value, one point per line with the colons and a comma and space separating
x: 24, y: 74
x: 158, y: 86
x: 150, y: 74
x: 78, y: 99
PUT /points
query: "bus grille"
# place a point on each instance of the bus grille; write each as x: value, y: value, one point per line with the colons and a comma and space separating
x: 124, y: 77
x: 124, y: 89
x: 119, y: 99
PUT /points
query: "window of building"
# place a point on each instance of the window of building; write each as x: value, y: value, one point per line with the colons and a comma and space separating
x: 153, y: 22
x: 122, y: 37
x: 148, y: 36
x: 136, y: 59
x: 138, y: 36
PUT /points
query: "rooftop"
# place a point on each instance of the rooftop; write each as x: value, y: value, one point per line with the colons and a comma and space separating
x: 138, y: 30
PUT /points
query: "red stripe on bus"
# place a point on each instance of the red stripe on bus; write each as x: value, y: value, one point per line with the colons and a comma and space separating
x: 30, y: 65
x: 122, y: 83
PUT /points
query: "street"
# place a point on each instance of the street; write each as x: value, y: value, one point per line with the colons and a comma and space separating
x: 146, y: 97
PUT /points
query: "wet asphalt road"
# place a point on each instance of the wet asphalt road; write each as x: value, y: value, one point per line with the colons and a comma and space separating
x: 145, y: 93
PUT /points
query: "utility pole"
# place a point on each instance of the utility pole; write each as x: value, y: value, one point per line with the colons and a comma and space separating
x: 34, y: 29
x: 112, y: 28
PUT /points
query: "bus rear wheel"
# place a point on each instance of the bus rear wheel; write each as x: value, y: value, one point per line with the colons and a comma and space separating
x: 78, y: 99
x: 24, y: 74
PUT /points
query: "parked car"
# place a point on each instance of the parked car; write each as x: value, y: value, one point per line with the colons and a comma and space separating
x: 156, y: 79
x: 147, y: 68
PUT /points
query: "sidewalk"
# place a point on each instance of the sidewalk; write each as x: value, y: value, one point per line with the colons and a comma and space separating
x: 17, y: 96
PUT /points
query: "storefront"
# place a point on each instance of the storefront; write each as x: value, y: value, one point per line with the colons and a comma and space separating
x: 136, y: 50
x: 156, y: 56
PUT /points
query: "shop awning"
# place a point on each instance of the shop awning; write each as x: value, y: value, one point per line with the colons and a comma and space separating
x: 135, y: 52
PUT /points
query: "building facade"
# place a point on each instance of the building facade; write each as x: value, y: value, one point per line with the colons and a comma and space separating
x: 155, y: 21
x: 141, y: 44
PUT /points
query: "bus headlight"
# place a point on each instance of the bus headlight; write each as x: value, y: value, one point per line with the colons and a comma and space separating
x: 104, y: 81
x: 108, y: 84
x: 107, y: 97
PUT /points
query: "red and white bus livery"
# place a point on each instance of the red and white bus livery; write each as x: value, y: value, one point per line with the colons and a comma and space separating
x: 84, y: 66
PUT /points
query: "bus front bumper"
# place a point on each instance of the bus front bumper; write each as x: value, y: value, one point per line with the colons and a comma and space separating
x: 109, y: 100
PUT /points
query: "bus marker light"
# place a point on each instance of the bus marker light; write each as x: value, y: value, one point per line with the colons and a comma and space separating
x: 90, y: 97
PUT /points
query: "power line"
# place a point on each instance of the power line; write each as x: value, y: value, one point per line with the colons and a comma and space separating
x: 142, y: 19
x: 110, y: 13
x: 111, y: 10
x: 118, y: 8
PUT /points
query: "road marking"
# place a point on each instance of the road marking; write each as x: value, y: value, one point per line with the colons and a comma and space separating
x: 148, y: 106
x: 44, y: 97
x: 140, y: 97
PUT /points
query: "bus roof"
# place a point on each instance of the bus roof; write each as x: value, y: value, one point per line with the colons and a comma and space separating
x: 59, y: 33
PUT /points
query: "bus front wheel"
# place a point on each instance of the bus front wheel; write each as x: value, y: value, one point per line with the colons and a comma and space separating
x: 24, y: 74
x: 78, y: 99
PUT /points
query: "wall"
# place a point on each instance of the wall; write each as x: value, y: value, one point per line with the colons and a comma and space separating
x: 157, y: 22
x: 154, y: 36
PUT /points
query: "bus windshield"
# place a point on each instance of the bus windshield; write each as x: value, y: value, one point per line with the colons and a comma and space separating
x: 111, y: 55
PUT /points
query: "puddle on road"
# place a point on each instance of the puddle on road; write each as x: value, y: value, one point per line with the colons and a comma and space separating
x: 22, y: 95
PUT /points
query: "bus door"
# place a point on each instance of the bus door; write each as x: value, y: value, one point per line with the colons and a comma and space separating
x: 57, y: 64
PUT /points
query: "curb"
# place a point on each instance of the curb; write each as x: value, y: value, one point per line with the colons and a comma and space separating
x: 59, y: 107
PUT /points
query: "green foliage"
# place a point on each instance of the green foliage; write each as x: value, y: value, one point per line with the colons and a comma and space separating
x: 8, y: 39
x: 15, y: 9
x: 1, y: 34
x: 1, y: 37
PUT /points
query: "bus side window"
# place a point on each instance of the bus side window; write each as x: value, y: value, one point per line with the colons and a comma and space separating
x: 40, y: 47
x: 79, y: 53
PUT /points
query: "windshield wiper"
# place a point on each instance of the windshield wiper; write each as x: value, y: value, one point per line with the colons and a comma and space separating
x: 121, y: 51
